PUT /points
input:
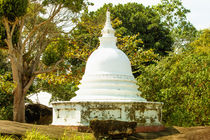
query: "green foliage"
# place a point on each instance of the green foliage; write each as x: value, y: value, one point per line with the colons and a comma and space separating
x: 172, y: 13
x: 13, y: 8
x: 6, y: 88
x: 35, y: 135
x: 138, y: 57
x: 2, y: 36
x: 173, y: 16
x: 8, y: 137
x: 54, y: 52
x: 203, y: 41
x: 60, y: 84
x: 4, y: 64
x: 6, y: 97
x: 130, y: 19
x: 181, y: 82
x: 138, y: 30
x: 60, y: 90
x: 137, y: 19
x: 29, y: 28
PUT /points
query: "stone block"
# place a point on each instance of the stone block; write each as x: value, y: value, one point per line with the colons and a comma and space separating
x: 110, y: 129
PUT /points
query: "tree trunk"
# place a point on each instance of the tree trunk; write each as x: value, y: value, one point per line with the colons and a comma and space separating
x: 19, y: 95
x: 19, y: 104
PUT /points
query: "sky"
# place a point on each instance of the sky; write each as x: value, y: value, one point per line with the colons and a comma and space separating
x: 199, y: 15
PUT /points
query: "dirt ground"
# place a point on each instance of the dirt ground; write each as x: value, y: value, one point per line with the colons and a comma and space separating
x: 178, y: 133
x: 170, y: 133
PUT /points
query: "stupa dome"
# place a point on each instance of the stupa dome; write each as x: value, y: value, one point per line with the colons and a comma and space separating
x: 108, y: 61
x: 108, y: 76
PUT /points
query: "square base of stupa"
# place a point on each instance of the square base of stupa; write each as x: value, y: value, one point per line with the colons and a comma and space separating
x: 78, y: 114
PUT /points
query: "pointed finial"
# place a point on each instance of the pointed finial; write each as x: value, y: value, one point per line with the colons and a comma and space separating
x: 108, y: 30
x: 108, y: 40
x: 108, y: 16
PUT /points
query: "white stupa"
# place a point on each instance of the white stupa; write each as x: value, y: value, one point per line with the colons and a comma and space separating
x: 108, y: 75
x: 108, y: 91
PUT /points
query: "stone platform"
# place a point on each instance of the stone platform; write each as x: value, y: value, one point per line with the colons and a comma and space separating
x: 78, y: 114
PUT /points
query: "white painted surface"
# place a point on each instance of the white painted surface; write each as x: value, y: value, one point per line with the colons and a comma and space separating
x: 108, y: 75
x: 41, y: 98
x: 80, y: 113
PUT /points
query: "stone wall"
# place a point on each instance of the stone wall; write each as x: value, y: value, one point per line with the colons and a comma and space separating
x: 80, y: 113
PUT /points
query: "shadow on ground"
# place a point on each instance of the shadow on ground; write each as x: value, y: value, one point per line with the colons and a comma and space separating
x: 154, y: 135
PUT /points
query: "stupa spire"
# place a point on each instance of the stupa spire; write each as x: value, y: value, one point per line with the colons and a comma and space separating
x: 108, y: 31
x: 108, y: 39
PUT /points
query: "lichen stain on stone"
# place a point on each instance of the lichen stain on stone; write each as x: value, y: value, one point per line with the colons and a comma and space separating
x: 152, y: 120
x: 142, y: 108
x: 58, y: 113
x: 159, y: 115
x: 143, y: 113
x: 85, y: 115
x: 142, y: 121
x: 131, y: 114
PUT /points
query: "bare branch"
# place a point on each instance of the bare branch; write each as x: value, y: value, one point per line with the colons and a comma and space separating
x: 41, y: 49
x: 50, y: 69
x: 41, y: 24
x: 37, y: 59
x: 9, y: 37
x: 37, y: 39
x: 13, y: 26
x: 20, y: 31
x: 28, y: 85
x: 6, y: 42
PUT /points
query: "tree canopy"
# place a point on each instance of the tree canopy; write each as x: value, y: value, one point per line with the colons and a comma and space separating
x: 128, y: 20
x: 173, y: 16
x: 27, y: 28
x: 180, y: 81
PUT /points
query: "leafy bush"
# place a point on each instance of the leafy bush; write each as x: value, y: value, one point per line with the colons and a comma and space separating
x: 9, y: 137
x: 35, y: 135
x: 181, y: 82
x: 6, y: 88
x: 6, y: 97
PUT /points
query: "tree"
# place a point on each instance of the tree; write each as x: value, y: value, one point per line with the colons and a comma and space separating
x: 131, y: 19
x: 30, y: 26
x: 137, y: 19
x: 173, y: 16
x: 181, y: 82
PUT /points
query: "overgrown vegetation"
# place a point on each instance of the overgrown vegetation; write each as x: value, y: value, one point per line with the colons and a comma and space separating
x: 27, y: 29
x: 6, y: 87
x: 181, y: 82
x: 36, y: 135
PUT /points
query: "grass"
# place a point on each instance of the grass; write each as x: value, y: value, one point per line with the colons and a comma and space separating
x: 34, y: 134
x: 6, y: 137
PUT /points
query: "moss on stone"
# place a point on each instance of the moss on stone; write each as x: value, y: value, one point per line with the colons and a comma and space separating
x: 112, y: 128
